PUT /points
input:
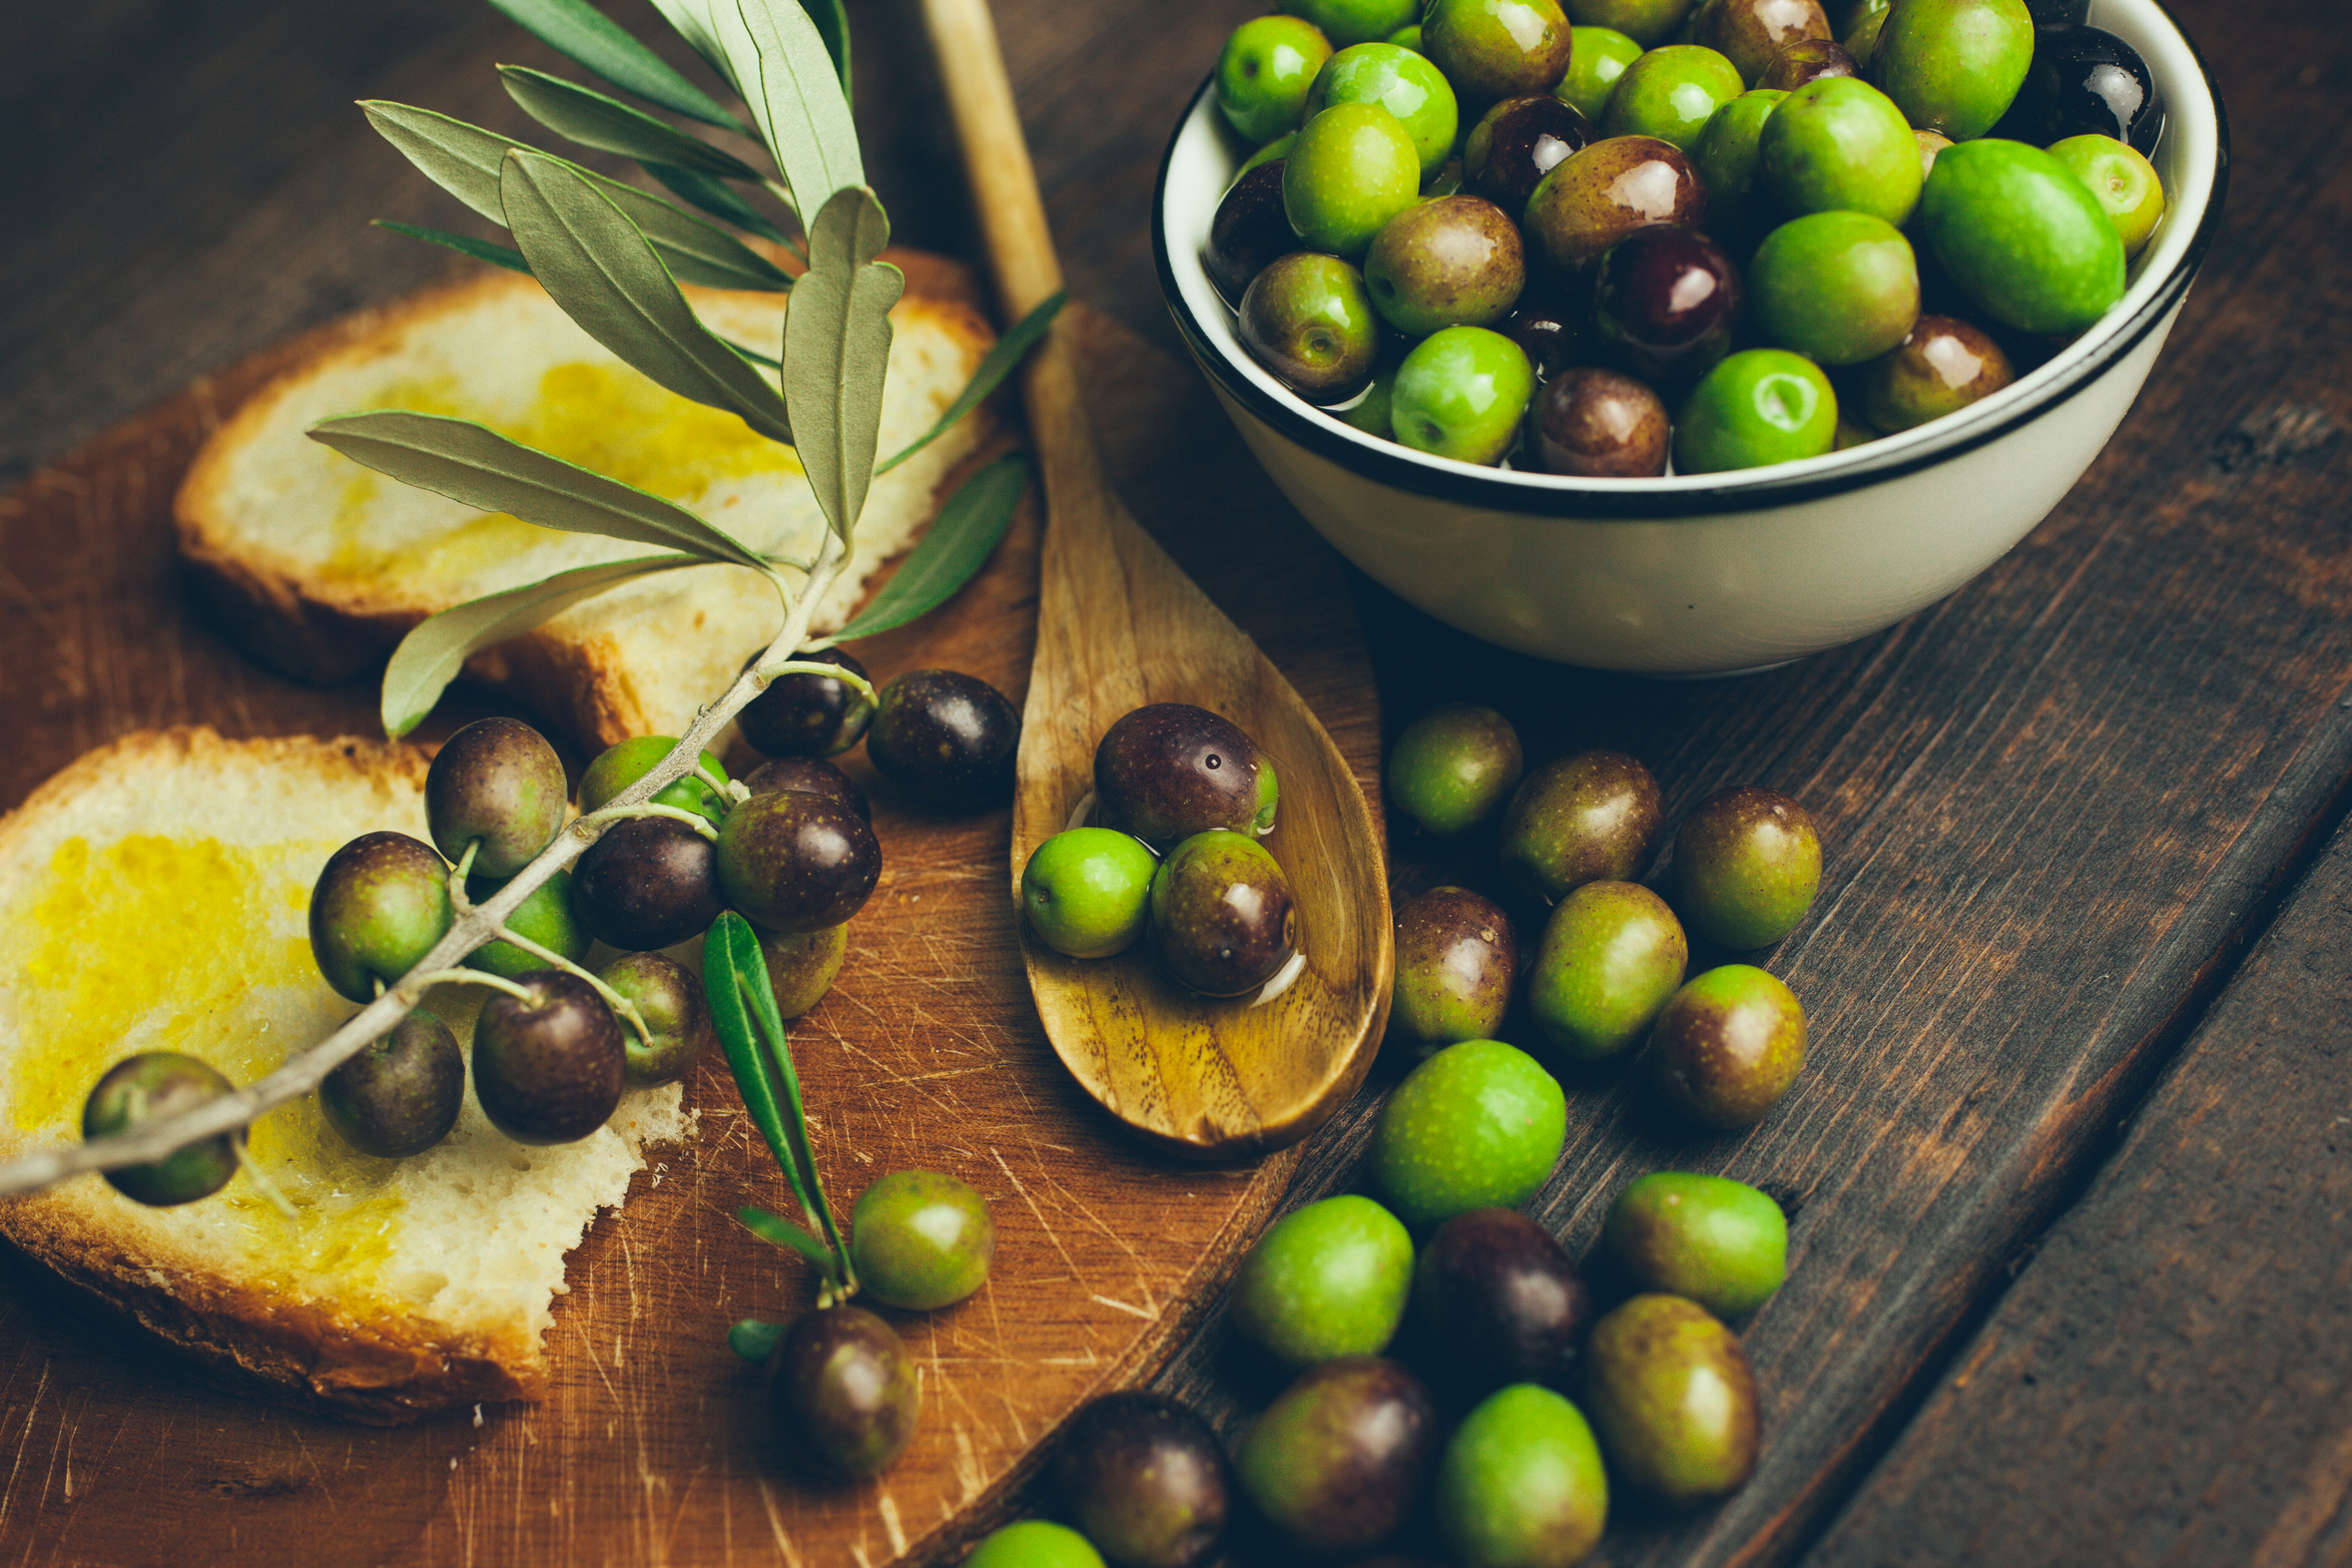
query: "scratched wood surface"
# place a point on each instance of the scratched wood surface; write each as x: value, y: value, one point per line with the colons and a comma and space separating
x: 653, y: 1445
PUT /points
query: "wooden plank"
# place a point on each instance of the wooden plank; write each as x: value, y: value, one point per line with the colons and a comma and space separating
x: 2207, y: 1274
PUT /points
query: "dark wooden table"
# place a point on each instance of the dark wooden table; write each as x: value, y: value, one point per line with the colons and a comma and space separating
x: 2071, y: 1167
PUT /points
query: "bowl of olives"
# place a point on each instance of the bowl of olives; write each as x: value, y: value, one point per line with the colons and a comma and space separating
x: 1686, y: 337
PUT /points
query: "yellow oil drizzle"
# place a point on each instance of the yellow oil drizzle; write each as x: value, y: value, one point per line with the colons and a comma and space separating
x: 604, y: 417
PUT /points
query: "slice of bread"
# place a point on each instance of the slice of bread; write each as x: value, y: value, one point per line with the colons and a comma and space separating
x: 153, y: 896
x: 319, y: 565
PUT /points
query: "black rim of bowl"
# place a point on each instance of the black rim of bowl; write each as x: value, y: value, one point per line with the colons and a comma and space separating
x: 1559, y: 496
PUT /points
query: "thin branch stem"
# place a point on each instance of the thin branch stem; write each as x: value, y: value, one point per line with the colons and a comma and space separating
x: 302, y: 1073
x: 613, y: 999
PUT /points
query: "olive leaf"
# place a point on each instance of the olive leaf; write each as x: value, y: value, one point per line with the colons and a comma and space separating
x: 754, y: 1341
x: 775, y: 1228
x: 601, y: 269
x: 836, y: 351
x: 479, y: 250
x: 591, y: 119
x: 719, y: 199
x: 833, y: 24
x: 464, y: 159
x: 787, y: 77
x: 1010, y: 351
x: 580, y: 32
x: 955, y: 546
x: 751, y: 1031
x: 470, y: 463
x: 436, y: 648
x: 690, y: 20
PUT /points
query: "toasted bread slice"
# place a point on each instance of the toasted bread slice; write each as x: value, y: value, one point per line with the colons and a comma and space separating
x: 320, y: 565
x: 154, y: 896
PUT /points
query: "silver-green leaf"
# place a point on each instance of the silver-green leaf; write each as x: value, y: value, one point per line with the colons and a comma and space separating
x: 833, y: 24
x: 787, y: 77
x: 603, y: 273
x: 717, y: 198
x: 591, y: 119
x: 692, y: 21
x: 476, y: 465
x: 955, y: 546
x: 479, y: 250
x: 435, y: 649
x: 1008, y: 352
x: 465, y: 161
x: 580, y: 32
x: 837, y: 350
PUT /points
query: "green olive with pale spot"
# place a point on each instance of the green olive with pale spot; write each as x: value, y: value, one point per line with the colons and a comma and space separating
x: 1727, y: 1046
x: 1611, y: 956
x: 922, y: 1240
x: 1479, y: 1125
x: 1748, y: 863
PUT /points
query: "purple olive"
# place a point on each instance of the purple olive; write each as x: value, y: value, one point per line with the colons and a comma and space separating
x: 1664, y: 304
x: 1599, y: 424
x: 1145, y: 1480
x: 1249, y: 231
x: 808, y: 714
x: 548, y: 1068
x: 648, y: 882
x: 843, y: 1391
x: 1516, y: 143
x: 812, y: 774
x: 1498, y: 1302
x: 1167, y: 770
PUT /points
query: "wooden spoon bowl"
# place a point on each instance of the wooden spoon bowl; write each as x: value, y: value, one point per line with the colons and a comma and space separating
x: 1119, y: 625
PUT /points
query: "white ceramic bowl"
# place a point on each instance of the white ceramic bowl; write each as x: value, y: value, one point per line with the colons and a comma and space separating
x: 1711, y: 573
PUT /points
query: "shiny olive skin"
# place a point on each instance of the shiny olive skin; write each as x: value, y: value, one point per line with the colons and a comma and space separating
x: 807, y: 715
x: 1594, y: 816
x: 842, y: 1393
x: 802, y: 966
x: 620, y: 766
x: 921, y: 1240
x: 2021, y: 237
x: 1035, y: 1543
x: 1453, y: 767
x: 496, y: 780
x: 545, y: 918
x: 1664, y: 303
x: 1837, y: 287
x: 945, y: 737
x: 1837, y: 144
x: 1749, y: 33
x: 669, y: 997
x: 1308, y: 318
x: 1145, y: 1480
x: 1719, y: 1242
x: 550, y: 1069
x: 1457, y: 959
x: 1598, y: 196
x: 1352, y: 168
x: 1551, y: 331
x: 1522, y: 1484
x: 1338, y: 1461
x: 1860, y: 39
x: 1748, y: 863
x: 1451, y: 262
x: 1264, y: 71
x: 1516, y: 143
x: 379, y: 905
x: 152, y: 1086
x: 1670, y: 1392
x: 1087, y: 892
x: 1461, y: 393
x: 2125, y: 183
x: 1221, y: 916
x: 2084, y: 80
x: 1249, y: 231
x: 1498, y: 1302
x: 1370, y: 412
x: 1727, y: 157
x: 1760, y: 406
x: 1479, y: 1125
x: 1728, y: 1046
x: 1648, y: 23
x: 1599, y: 56
x: 1347, y: 22
x: 1328, y: 1280
x: 1803, y: 60
x: 1953, y: 66
x: 1610, y: 956
x: 1670, y: 93
x: 401, y: 1093
x: 1939, y: 367
x: 1491, y: 49
x: 1167, y: 770
x: 812, y: 774
x: 650, y: 881
x: 1403, y: 81
x: 794, y: 862
x: 1598, y: 424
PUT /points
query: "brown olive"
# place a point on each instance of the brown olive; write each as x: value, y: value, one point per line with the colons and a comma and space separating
x: 1595, y: 817
x: 1222, y: 914
x: 1340, y: 1461
x: 498, y: 784
x: 1727, y: 1046
x: 1145, y: 1480
x: 1516, y: 143
x: 1599, y: 424
x: 1457, y: 957
x: 1748, y: 863
x: 1803, y: 60
x: 1249, y: 231
x: 1750, y: 32
x: 1674, y: 1401
x: 843, y: 1391
x: 1597, y: 197
x: 794, y: 861
x: 1167, y: 770
x: 802, y: 966
x: 550, y: 1068
x: 648, y: 882
x: 1942, y: 366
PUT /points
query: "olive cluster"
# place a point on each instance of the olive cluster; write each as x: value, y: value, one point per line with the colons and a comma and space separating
x: 1489, y: 1316
x: 1182, y: 796
x: 1708, y: 233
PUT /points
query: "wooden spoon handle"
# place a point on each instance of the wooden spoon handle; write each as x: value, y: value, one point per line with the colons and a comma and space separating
x: 1020, y: 248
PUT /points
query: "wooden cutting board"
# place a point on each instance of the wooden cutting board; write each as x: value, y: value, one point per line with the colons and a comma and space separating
x: 653, y: 1447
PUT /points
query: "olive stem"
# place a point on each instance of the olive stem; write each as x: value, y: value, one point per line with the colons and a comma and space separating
x: 496, y: 982
x: 301, y: 1073
x: 624, y: 1008
x: 772, y: 672
x: 268, y: 1189
x: 720, y: 786
x: 616, y: 813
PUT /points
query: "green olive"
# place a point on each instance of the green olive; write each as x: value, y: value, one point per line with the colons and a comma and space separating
x: 1522, y: 1484
x: 150, y: 1086
x: 1087, y: 892
x: 1610, y: 956
x: 1748, y: 863
x: 1673, y: 1400
x: 1263, y: 75
x: 1035, y: 1543
x: 921, y: 1240
x: 1331, y: 1279
x: 1719, y: 1242
x: 618, y: 767
x: 2021, y: 235
x: 1454, y: 766
x: 1478, y: 1125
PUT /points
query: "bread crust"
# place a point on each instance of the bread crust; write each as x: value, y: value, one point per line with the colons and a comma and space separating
x: 282, y: 612
x: 379, y: 1363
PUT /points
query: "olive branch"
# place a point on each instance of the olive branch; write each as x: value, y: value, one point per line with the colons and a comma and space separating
x: 612, y: 257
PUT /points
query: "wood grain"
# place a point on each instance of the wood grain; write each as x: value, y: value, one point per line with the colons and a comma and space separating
x: 653, y: 1445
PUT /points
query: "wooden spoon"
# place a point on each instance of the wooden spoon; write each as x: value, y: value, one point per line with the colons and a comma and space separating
x: 1119, y: 625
